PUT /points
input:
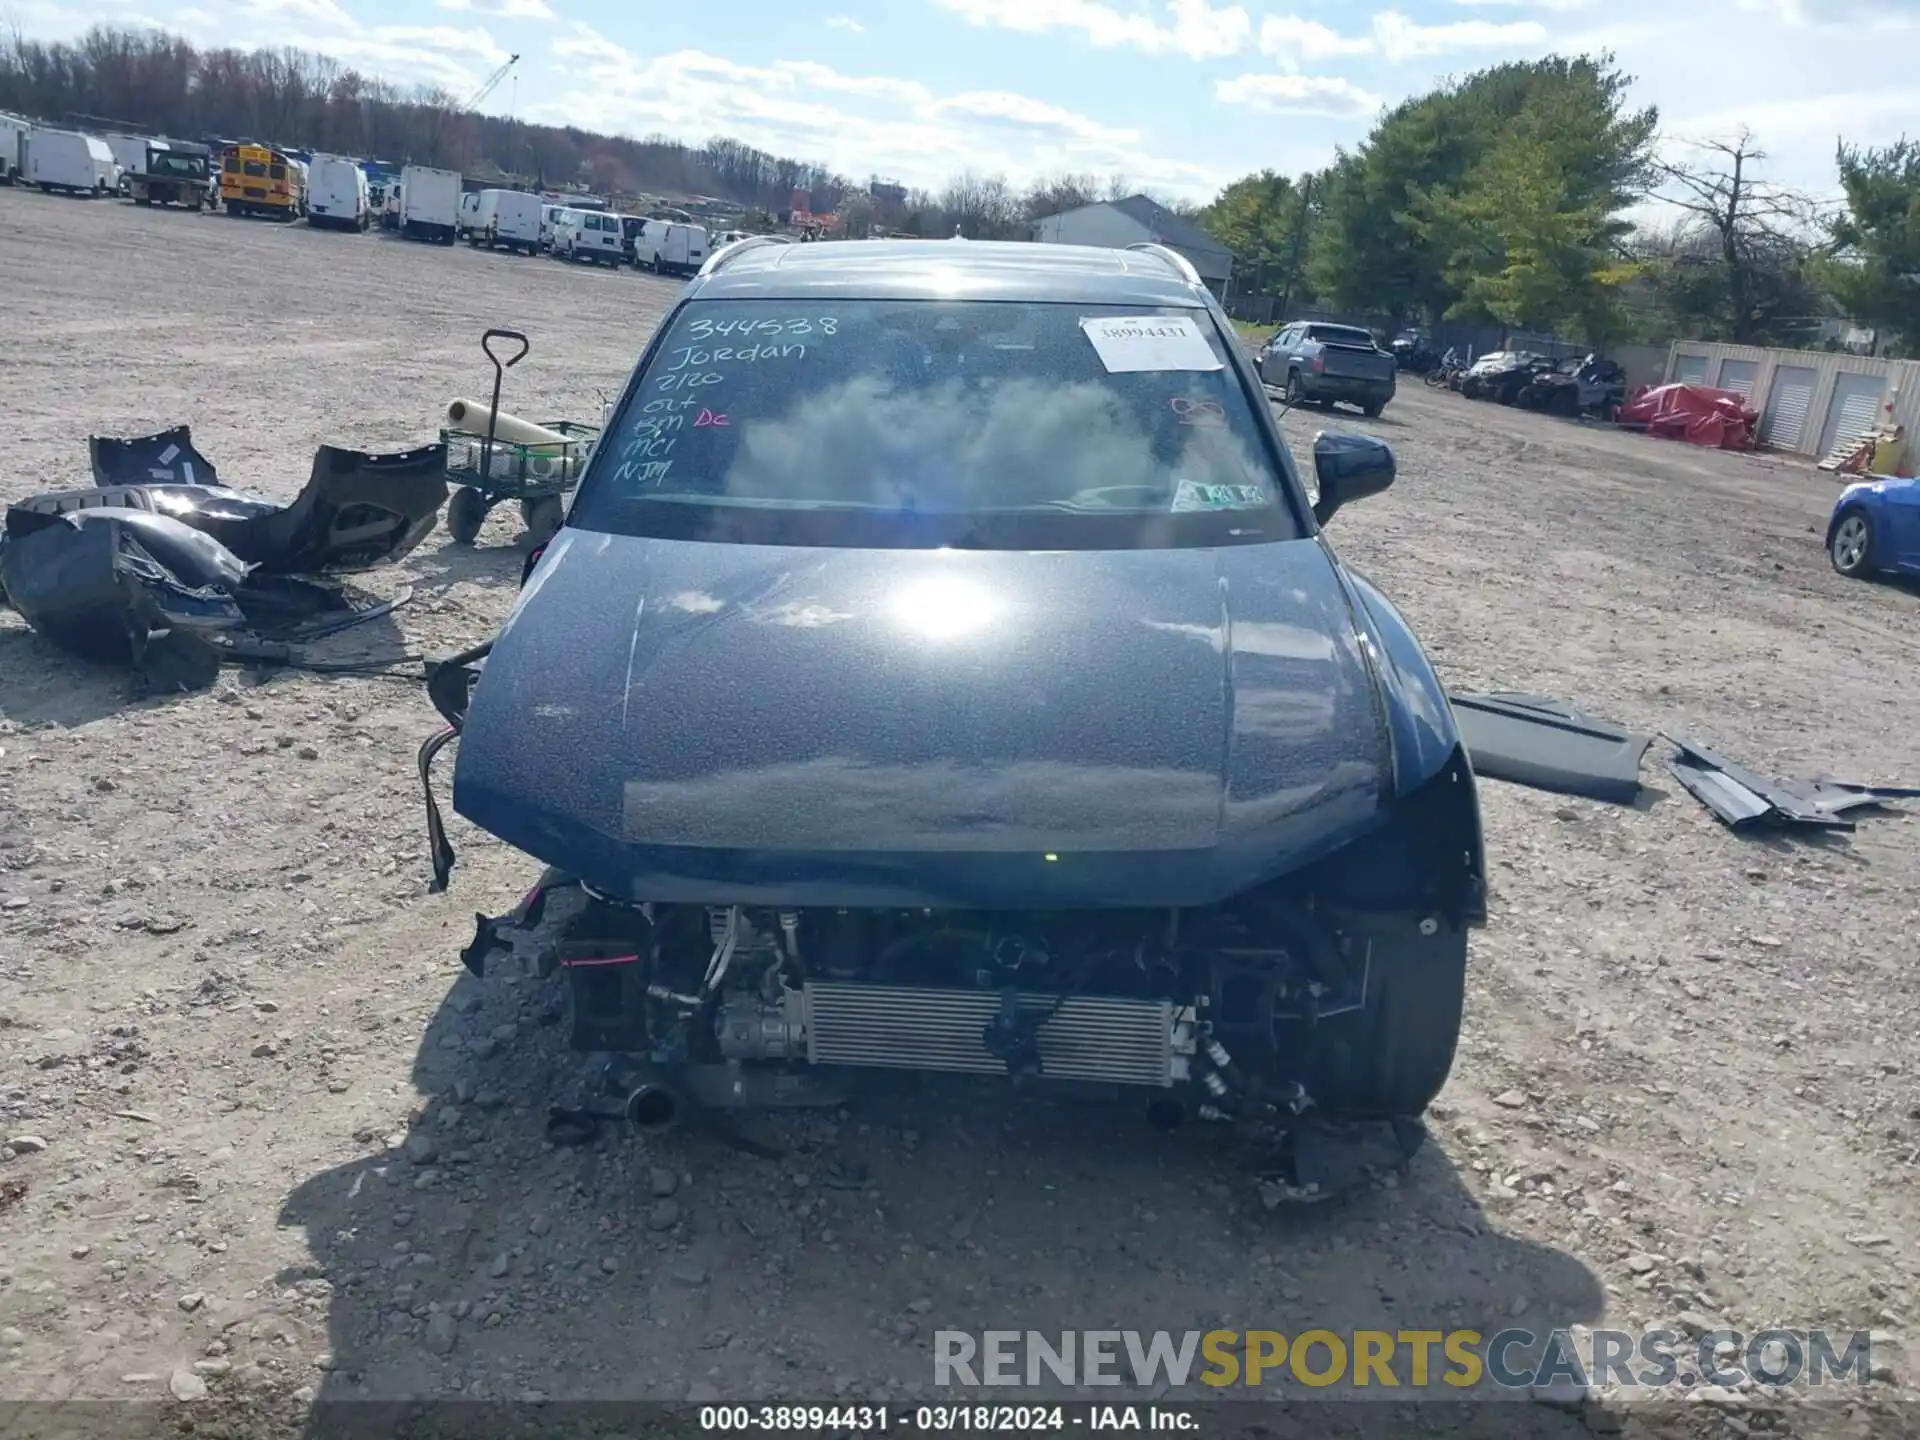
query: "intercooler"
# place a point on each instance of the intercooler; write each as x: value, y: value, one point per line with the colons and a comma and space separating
x: 1100, y: 1038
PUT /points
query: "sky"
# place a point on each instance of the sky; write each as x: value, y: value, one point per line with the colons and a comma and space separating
x: 1181, y: 96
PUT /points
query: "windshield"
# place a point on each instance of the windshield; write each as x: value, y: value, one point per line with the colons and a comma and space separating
x: 161, y: 163
x: 884, y: 423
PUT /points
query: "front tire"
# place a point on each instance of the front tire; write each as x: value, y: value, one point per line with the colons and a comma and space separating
x: 1373, y: 408
x: 1852, y: 548
x: 1393, y: 1055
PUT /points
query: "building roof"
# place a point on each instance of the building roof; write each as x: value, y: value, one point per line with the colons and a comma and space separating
x: 955, y: 269
x: 1167, y: 227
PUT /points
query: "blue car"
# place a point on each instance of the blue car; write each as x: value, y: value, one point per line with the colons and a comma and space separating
x: 1875, y: 528
x: 943, y: 667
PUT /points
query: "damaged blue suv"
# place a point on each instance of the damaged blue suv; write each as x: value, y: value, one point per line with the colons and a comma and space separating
x: 942, y: 668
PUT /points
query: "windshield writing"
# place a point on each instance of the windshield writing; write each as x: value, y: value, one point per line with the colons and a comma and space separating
x: 895, y: 420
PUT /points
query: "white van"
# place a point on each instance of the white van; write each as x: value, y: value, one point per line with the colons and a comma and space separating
x: 668, y: 247
x: 68, y: 160
x: 13, y: 147
x: 591, y: 235
x: 430, y: 204
x: 548, y: 214
x: 129, y: 157
x: 337, y: 196
x: 469, y: 216
x: 506, y: 219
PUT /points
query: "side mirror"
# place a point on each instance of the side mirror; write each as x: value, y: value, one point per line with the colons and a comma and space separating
x: 1349, y: 468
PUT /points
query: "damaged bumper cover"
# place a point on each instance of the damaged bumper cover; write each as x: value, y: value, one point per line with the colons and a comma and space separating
x: 357, y: 510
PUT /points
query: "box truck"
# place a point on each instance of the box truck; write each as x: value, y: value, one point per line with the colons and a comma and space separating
x: 430, y: 204
x: 13, y: 147
x: 68, y: 160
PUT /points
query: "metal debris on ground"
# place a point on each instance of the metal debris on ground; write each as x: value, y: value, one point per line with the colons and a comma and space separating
x: 1746, y: 800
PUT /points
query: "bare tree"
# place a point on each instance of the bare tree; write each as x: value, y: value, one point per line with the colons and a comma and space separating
x: 1752, y: 226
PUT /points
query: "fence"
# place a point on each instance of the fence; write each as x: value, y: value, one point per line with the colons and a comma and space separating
x: 1811, y: 402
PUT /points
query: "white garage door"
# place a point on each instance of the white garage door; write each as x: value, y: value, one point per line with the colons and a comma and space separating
x: 1852, y: 412
x: 1690, y: 370
x: 1785, y: 422
x: 1738, y: 376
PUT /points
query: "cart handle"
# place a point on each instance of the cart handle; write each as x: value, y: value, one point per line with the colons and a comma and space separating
x: 505, y: 364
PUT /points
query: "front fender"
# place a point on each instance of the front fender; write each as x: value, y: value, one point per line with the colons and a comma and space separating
x: 1867, y: 495
x: 1419, y: 719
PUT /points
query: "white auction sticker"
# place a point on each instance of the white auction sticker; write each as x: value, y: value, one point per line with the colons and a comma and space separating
x: 1128, y: 343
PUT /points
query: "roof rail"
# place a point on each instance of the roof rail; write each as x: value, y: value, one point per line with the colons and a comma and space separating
x: 1175, y: 261
x: 726, y: 252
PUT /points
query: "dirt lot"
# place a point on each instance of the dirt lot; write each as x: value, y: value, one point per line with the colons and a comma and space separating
x: 1686, y: 1095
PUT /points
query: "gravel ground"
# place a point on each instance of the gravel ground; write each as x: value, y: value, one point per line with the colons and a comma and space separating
x: 268, y: 1139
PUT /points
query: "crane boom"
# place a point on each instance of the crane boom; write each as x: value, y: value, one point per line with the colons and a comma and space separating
x: 493, y: 81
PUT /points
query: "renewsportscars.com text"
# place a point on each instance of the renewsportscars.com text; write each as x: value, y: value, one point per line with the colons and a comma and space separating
x: 1514, y: 1359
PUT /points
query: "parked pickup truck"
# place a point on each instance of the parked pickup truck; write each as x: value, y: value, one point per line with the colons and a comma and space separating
x: 1327, y: 364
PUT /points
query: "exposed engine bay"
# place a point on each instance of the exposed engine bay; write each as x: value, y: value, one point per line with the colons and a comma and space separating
x: 1244, y: 1011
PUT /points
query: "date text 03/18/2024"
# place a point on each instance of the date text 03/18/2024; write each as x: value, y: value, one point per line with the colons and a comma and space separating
x: 848, y: 1420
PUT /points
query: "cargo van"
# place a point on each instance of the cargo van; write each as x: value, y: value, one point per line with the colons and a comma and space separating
x: 67, y: 160
x: 13, y: 147
x: 668, y: 247
x: 590, y: 235
x: 430, y: 204
x: 505, y: 220
x: 129, y: 158
x: 337, y: 194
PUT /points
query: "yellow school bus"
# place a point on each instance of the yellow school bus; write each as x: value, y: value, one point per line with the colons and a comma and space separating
x: 259, y: 180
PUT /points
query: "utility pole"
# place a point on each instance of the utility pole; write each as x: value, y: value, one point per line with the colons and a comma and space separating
x: 1299, y: 245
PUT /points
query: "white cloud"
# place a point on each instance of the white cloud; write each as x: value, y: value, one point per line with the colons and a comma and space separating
x: 1294, y: 41
x: 504, y: 9
x: 857, y: 124
x: 1400, y: 39
x: 847, y: 23
x: 1198, y: 30
x: 1561, y: 5
x: 1298, y: 95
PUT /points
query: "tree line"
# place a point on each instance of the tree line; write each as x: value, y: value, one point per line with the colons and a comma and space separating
x: 1506, y: 197
x: 116, y: 77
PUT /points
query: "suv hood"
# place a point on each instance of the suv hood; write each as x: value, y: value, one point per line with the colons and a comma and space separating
x: 746, y: 724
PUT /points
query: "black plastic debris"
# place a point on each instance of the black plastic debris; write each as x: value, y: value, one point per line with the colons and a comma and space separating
x: 124, y: 587
x: 357, y: 510
x: 1746, y: 800
x: 165, y: 456
x: 1545, y: 744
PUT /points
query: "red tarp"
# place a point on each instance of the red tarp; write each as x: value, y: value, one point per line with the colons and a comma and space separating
x: 1718, y: 419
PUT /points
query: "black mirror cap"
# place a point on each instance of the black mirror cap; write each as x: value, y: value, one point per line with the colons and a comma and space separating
x: 1349, y: 468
